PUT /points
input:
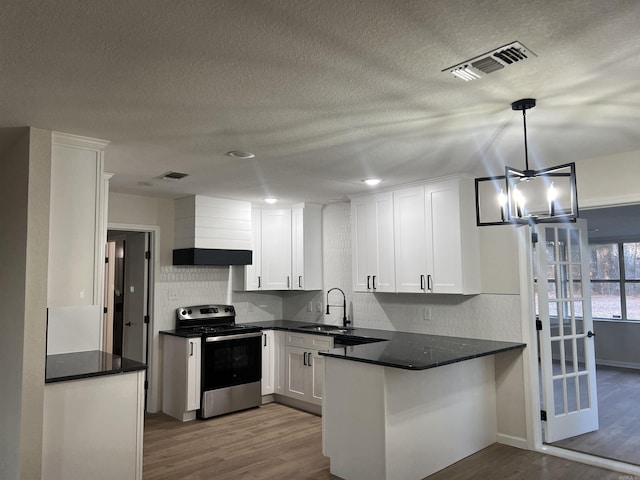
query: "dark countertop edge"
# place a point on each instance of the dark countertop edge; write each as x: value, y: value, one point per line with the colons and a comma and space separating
x: 173, y: 333
x: 425, y: 366
x: 128, y: 367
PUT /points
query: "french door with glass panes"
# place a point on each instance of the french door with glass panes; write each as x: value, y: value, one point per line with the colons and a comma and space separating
x: 566, y: 340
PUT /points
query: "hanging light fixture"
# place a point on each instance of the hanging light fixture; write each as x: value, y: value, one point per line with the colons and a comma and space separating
x: 527, y: 196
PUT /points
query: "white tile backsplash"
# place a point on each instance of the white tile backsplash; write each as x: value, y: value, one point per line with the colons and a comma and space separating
x: 489, y: 316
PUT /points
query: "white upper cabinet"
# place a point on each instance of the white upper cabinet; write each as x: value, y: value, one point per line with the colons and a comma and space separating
x: 253, y: 272
x: 373, y: 243
x: 306, y: 247
x: 276, y: 249
x: 287, y: 249
x: 436, y: 239
x: 77, y: 221
x: 410, y: 232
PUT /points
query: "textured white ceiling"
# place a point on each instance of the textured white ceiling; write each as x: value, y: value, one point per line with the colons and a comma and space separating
x: 324, y: 92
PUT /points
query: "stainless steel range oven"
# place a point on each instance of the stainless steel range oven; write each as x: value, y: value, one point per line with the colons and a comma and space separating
x: 231, y: 366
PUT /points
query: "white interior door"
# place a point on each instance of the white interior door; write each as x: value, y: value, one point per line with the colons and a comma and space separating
x: 566, y: 339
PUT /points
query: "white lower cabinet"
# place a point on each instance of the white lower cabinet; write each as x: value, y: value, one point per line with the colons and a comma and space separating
x: 268, y: 362
x: 304, y: 370
x: 181, y: 376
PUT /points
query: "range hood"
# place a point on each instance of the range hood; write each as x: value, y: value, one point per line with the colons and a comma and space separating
x: 212, y: 231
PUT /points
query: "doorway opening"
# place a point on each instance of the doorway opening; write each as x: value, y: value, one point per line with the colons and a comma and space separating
x: 128, y: 294
x: 617, y: 376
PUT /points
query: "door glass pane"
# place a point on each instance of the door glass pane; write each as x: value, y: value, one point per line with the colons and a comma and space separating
x: 605, y: 300
x: 576, y: 272
x: 551, y: 272
x: 576, y: 291
x: 581, y: 352
x: 563, y: 245
x: 574, y: 239
x: 550, y: 245
x: 578, y: 318
x: 604, y: 262
x: 632, y: 261
x: 572, y: 402
x: 558, y: 396
x: 568, y: 356
x: 583, y: 385
x: 551, y: 287
x: 633, y: 300
x: 553, y: 319
x: 556, y: 355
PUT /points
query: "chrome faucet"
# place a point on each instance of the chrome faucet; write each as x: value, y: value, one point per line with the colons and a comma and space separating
x: 345, y: 321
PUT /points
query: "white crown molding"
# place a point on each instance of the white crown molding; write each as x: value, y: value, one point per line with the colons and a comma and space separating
x: 68, y: 140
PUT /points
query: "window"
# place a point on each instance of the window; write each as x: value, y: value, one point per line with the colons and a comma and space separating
x: 615, y: 281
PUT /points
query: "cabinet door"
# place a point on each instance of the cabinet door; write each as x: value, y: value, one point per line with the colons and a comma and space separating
x: 444, y: 247
x: 297, y: 248
x: 316, y: 377
x: 296, y: 372
x: 279, y: 379
x: 410, y: 236
x: 268, y: 362
x: 381, y: 250
x: 253, y: 272
x: 276, y: 249
x: 372, y: 243
x: 360, y: 245
x: 76, y: 222
x: 193, y: 374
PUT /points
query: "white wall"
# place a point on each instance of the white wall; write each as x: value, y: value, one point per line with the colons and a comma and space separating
x: 24, y: 191
x: 611, y: 180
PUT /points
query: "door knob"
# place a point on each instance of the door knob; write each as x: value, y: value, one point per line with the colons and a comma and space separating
x: 128, y: 324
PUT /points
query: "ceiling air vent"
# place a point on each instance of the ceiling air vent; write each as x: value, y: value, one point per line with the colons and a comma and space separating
x: 173, y: 176
x: 491, y: 61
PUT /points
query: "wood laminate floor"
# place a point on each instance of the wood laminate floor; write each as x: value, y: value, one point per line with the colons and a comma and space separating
x: 278, y: 442
x: 618, y: 437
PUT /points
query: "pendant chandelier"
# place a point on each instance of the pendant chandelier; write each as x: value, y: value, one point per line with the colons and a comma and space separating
x: 527, y: 196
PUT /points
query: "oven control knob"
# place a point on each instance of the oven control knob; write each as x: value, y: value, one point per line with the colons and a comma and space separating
x: 189, y: 311
x: 183, y: 312
x: 228, y: 309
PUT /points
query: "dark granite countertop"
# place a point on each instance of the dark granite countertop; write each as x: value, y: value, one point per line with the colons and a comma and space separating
x: 181, y: 333
x: 92, y: 363
x: 410, y: 351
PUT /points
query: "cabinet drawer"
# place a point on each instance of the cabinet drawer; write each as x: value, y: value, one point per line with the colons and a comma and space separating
x: 315, y: 342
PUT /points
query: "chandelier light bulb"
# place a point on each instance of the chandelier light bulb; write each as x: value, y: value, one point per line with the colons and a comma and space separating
x: 502, y: 201
x: 552, y: 194
x: 518, y: 197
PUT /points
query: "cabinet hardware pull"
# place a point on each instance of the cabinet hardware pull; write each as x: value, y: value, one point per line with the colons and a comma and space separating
x: 429, y: 285
x: 374, y: 282
x: 304, y: 358
x: 309, y: 359
x: 265, y: 339
x: 368, y: 279
x: 259, y: 281
x: 288, y: 281
x: 421, y: 282
x: 300, y: 281
x: 191, y: 346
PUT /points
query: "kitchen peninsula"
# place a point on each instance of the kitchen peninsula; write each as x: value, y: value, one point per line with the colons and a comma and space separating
x: 409, y: 406
x: 93, y: 416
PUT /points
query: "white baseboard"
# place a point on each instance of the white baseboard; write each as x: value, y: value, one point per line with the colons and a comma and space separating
x: 512, y: 441
x: 613, y: 363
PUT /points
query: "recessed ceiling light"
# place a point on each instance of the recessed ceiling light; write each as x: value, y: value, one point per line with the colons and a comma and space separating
x: 372, y: 182
x: 239, y: 154
x: 271, y: 200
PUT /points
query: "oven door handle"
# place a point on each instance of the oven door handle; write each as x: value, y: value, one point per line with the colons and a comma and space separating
x: 222, y: 338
